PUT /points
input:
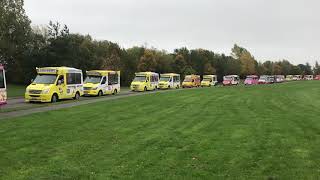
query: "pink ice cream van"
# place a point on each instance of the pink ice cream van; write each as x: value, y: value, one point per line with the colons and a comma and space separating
x: 251, y: 80
x: 231, y: 80
x: 3, y: 90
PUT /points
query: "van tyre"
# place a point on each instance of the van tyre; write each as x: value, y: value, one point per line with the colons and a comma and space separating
x: 77, y: 96
x: 54, y: 98
x: 115, y: 92
x: 100, y: 93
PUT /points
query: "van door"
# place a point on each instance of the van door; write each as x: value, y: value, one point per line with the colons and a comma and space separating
x: 104, y: 85
x: 61, y: 87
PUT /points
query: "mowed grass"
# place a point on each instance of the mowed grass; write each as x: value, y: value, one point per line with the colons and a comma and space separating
x: 258, y: 132
x: 15, y: 90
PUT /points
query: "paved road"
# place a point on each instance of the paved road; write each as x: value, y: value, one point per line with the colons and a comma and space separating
x: 30, y: 108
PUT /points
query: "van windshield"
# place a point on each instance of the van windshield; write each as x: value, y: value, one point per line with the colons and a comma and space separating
x: 93, y: 79
x: 228, y: 78
x: 207, y: 79
x: 140, y: 78
x: 188, y: 79
x: 164, y: 78
x: 45, y: 79
x: 263, y: 77
x: 1, y: 79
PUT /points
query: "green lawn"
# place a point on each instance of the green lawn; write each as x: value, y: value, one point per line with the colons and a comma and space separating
x: 211, y: 133
x: 15, y: 90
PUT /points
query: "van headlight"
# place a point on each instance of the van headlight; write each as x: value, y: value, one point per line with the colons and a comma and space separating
x: 95, y: 88
x: 46, y: 91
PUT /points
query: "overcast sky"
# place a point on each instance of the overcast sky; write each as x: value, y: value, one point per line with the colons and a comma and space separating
x: 269, y: 29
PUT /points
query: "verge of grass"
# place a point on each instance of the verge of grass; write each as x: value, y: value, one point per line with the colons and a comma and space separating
x: 15, y: 91
x: 240, y: 132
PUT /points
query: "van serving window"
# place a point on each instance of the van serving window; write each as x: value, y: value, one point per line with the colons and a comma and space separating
x: 73, y: 78
x: 1, y: 79
x: 113, y: 78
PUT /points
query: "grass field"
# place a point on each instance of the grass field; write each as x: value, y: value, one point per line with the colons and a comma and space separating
x: 211, y: 133
x: 15, y: 90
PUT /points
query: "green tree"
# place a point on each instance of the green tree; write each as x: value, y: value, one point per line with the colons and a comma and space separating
x: 147, y: 61
x: 15, y: 34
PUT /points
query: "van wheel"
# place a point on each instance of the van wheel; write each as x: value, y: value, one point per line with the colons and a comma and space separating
x: 54, y: 98
x: 115, y: 92
x: 169, y: 87
x: 100, y: 93
x: 209, y: 85
x: 77, y: 96
x: 177, y: 87
x: 145, y: 88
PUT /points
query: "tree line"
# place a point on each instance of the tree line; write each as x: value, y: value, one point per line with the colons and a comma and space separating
x: 22, y: 48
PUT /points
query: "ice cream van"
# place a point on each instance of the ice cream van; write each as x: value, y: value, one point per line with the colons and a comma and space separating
x: 279, y: 78
x: 145, y: 81
x: 209, y: 80
x: 55, y: 83
x: 3, y: 86
x: 297, y: 77
x: 191, y: 81
x: 317, y: 77
x: 251, y: 80
x: 101, y: 82
x: 289, y: 78
x: 230, y: 80
x: 308, y: 77
x: 169, y: 81
x: 265, y: 79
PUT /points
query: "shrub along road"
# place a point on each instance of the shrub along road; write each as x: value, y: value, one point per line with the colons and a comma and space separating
x: 226, y: 132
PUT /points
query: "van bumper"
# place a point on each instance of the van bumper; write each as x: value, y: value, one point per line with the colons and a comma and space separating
x: 137, y: 88
x: 90, y: 92
x: 37, y: 97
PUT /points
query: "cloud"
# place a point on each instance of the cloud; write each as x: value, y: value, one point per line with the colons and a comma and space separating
x: 270, y: 29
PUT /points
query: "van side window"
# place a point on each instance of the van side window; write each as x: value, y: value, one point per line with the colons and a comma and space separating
x: 60, y: 79
x: 113, y: 79
x: 73, y: 78
x: 104, y: 80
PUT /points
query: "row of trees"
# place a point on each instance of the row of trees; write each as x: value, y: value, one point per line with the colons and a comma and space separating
x: 23, y: 48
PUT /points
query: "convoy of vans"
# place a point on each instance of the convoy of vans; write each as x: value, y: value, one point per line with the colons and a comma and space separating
x: 3, y: 86
x: 230, y: 80
x: 169, y: 81
x: 191, y: 81
x: 209, y: 80
x: 54, y: 83
x: 251, y: 80
x: 101, y: 82
x: 145, y: 81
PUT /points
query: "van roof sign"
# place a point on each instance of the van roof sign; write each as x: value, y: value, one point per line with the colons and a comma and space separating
x: 93, y: 73
x: 47, y: 70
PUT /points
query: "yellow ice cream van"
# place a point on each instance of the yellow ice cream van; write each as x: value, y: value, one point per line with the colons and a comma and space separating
x: 191, y: 81
x: 169, y: 81
x: 145, y: 81
x: 55, y: 83
x: 209, y: 80
x: 101, y: 82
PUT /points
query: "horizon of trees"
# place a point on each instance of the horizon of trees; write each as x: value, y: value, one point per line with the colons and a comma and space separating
x: 22, y: 48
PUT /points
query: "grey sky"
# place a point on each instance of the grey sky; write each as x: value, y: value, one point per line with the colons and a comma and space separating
x: 269, y: 29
